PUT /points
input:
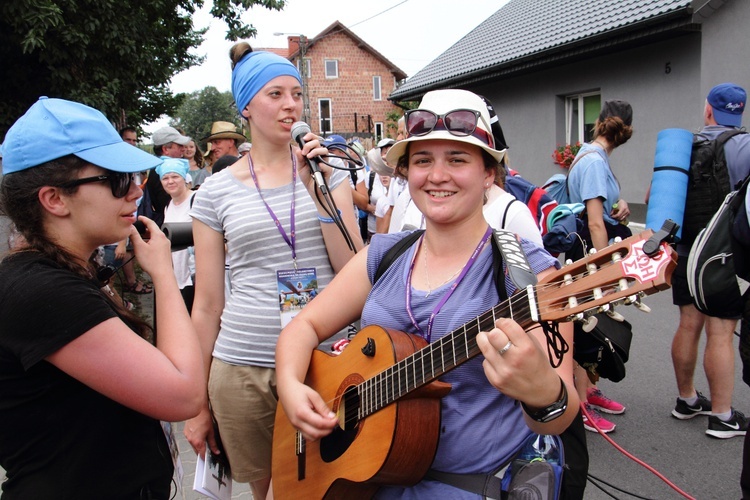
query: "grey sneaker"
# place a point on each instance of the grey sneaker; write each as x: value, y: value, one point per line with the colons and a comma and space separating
x: 735, y: 426
x: 684, y: 411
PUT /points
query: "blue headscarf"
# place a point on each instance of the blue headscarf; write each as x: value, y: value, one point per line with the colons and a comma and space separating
x: 179, y: 166
x: 254, y: 71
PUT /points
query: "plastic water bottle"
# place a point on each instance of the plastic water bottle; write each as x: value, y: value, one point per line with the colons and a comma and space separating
x: 541, y: 448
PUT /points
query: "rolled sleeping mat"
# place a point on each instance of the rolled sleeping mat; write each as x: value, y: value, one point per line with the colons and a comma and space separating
x: 670, y: 179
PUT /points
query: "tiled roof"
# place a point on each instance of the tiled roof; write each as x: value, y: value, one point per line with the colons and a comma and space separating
x: 525, y: 28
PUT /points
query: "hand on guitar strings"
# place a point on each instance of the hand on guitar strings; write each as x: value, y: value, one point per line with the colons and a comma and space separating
x: 516, y: 365
x: 311, y: 415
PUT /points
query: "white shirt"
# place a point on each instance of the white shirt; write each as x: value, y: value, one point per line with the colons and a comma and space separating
x: 518, y: 218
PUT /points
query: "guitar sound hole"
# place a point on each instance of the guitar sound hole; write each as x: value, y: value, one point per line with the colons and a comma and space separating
x: 336, y: 443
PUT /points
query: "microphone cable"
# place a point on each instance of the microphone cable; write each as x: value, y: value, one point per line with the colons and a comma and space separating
x: 322, y: 189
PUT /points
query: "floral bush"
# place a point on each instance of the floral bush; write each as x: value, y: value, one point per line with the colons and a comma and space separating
x: 564, y: 155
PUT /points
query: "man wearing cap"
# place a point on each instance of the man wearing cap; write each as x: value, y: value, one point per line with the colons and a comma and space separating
x: 168, y: 143
x: 223, y: 140
x: 723, y: 111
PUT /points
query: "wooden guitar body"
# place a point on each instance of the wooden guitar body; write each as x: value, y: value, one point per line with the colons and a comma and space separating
x: 394, y: 445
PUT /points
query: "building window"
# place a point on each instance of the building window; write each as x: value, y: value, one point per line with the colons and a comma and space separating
x: 324, y: 111
x: 332, y: 68
x: 306, y: 69
x: 581, y: 111
x: 379, y: 131
x: 376, y: 89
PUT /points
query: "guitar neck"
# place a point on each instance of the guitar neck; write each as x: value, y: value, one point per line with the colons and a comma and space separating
x: 439, y: 357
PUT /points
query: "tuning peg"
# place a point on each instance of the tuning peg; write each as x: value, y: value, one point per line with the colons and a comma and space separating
x: 618, y: 239
x: 641, y: 306
x: 589, y: 323
x: 616, y: 316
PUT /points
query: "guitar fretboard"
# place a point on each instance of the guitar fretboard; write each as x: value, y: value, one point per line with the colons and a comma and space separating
x: 435, y: 359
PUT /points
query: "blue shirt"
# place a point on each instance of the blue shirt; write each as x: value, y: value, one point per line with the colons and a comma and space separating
x: 591, y: 177
x: 480, y: 427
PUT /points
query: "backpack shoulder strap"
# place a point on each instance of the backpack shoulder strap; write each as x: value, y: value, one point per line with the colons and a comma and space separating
x: 505, y: 212
x: 567, y: 188
x: 394, y: 252
x: 728, y: 134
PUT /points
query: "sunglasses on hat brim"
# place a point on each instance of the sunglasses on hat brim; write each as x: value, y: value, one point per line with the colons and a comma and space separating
x: 459, y: 122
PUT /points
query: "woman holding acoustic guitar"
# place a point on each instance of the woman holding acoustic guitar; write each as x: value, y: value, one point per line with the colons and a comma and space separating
x: 441, y: 281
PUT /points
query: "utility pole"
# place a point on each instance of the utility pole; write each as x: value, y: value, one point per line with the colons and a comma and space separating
x: 302, y: 43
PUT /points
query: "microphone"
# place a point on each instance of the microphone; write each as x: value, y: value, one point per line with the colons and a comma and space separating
x: 299, y: 130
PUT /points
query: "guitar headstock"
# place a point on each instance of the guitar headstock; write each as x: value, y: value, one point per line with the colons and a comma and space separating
x: 620, y: 273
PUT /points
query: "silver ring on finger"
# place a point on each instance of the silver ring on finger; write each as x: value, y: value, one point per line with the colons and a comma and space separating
x: 505, y: 348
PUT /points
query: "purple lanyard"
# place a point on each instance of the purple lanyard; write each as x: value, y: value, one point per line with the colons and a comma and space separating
x: 292, y: 237
x: 453, y: 287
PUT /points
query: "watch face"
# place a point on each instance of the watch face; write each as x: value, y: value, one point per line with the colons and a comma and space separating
x: 553, y: 413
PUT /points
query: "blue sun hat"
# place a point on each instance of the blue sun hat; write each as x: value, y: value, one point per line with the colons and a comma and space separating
x: 54, y: 128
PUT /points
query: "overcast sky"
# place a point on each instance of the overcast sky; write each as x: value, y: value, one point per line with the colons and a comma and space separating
x: 410, y: 33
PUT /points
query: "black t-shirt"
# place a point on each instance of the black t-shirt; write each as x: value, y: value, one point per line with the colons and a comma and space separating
x: 59, y: 438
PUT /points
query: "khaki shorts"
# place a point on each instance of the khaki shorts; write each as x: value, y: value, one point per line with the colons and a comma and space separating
x: 243, y: 399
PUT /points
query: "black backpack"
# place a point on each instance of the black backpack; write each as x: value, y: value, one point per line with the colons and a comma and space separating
x: 716, y: 279
x: 708, y: 183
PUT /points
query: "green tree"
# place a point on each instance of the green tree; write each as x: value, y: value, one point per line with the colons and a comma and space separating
x: 115, y: 55
x: 201, y: 108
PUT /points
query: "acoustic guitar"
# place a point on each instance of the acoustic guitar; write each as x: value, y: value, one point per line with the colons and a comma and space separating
x: 384, y: 386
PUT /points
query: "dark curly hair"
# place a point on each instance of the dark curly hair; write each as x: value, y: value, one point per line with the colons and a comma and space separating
x: 19, y: 200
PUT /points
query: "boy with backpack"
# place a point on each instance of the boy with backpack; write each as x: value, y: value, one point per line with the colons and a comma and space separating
x: 719, y: 161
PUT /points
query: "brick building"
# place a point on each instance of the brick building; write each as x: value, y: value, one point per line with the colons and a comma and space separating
x: 348, y: 83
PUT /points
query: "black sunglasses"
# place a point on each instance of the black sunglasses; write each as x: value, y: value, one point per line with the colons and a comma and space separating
x: 459, y: 122
x: 119, y: 182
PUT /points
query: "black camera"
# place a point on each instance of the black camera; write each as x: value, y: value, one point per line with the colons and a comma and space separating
x: 180, y: 234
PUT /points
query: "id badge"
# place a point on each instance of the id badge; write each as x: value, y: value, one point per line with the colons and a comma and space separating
x: 296, y: 288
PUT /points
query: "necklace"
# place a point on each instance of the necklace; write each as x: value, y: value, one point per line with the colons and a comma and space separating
x: 427, y: 274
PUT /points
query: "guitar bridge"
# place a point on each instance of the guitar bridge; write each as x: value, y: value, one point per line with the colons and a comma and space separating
x: 300, y: 445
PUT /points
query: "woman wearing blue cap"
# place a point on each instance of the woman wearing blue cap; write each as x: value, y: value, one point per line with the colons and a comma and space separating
x: 82, y: 389
x: 264, y: 209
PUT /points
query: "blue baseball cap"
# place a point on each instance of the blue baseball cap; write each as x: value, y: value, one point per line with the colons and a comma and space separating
x: 335, y: 140
x: 53, y: 128
x: 728, y: 102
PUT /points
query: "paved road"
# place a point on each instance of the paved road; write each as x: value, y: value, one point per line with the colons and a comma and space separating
x: 704, y: 467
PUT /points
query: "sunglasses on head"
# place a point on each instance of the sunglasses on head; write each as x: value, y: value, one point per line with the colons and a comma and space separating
x: 459, y: 122
x: 119, y: 182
